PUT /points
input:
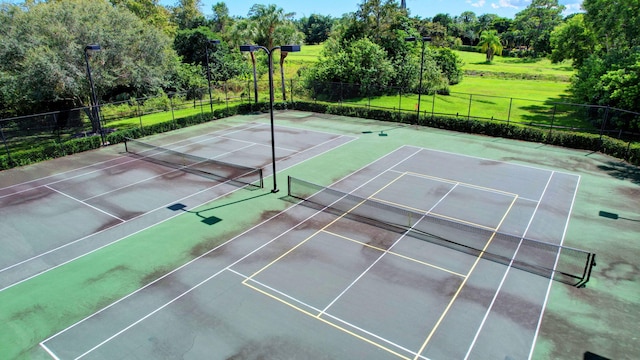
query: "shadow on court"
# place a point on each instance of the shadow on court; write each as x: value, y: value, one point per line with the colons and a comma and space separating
x: 210, y: 220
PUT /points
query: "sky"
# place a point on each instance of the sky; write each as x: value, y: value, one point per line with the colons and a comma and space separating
x: 421, y: 8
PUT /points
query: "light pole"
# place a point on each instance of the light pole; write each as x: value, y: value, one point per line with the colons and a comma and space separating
x: 210, y: 42
x: 95, y: 111
x: 287, y: 48
x: 425, y: 39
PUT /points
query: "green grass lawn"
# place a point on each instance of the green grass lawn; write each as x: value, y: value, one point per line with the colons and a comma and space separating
x: 476, y: 62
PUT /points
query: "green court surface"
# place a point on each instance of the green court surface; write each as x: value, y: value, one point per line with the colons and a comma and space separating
x: 108, y: 255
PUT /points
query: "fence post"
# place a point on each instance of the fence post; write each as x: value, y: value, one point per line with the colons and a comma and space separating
x: 171, y: 105
x: 553, y: 117
x: 469, y: 109
x: 509, y: 114
x: 140, y: 116
x: 400, y: 101
x: 4, y: 141
x: 604, y: 123
x: 226, y: 94
x: 433, y: 104
x: 55, y: 126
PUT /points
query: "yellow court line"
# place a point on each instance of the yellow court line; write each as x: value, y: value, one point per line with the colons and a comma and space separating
x: 358, y: 336
x: 446, y: 310
x: 397, y: 254
x: 488, y: 189
x: 315, y: 233
x: 435, y: 214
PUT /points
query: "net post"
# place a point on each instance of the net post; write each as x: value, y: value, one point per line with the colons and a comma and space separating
x: 126, y: 149
x: 289, y: 185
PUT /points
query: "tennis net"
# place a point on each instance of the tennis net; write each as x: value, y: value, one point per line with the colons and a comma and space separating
x: 213, y: 169
x: 565, y: 264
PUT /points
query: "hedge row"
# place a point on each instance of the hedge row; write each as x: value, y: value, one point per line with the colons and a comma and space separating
x: 607, y: 145
x: 575, y: 140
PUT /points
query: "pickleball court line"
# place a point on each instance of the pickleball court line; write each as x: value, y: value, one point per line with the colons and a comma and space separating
x: 504, y: 277
x: 390, y: 247
x: 435, y: 215
x: 42, y: 343
x: 317, y: 316
x: 464, y: 281
x: 396, y: 254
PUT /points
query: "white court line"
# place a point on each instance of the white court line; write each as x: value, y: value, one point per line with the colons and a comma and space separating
x: 197, y: 258
x: 108, y: 244
x: 90, y: 235
x: 111, y: 166
x: 487, y: 159
x: 289, y: 297
x: 546, y: 297
x: 385, y: 252
x: 124, y: 237
x: 504, y: 277
x: 83, y: 203
x: 160, y: 175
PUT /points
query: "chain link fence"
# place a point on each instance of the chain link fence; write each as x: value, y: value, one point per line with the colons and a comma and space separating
x: 28, y: 132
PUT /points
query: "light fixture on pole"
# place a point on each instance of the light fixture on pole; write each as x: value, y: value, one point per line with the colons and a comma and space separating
x: 95, y: 110
x: 210, y: 42
x: 287, y: 48
x: 424, y: 39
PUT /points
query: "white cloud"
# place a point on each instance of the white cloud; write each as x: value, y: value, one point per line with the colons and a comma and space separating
x: 504, y: 4
x: 479, y: 3
x: 573, y: 8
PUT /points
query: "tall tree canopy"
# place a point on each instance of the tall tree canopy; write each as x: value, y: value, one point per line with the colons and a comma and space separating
x: 536, y: 23
x: 47, y: 66
x: 610, y: 75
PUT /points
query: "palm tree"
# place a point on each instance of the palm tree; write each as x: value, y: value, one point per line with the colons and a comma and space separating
x: 490, y: 43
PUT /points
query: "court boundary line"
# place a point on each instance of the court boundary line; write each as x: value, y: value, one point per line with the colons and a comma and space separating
x: 395, y: 254
x: 42, y: 343
x: 390, y: 247
x: 250, y: 278
x: 546, y: 297
x: 506, y: 273
x: 350, y: 138
x: 464, y: 282
x: 122, y: 220
x: 159, y: 175
x: 83, y: 203
x: 497, y: 161
x: 118, y: 157
x: 320, y: 313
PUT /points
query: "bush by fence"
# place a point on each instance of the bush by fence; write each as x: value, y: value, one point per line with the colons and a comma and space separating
x: 41, y: 137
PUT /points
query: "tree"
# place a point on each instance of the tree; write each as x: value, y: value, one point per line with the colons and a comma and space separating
x: 572, y: 40
x: 450, y: 65
x: 490, y: 44
x: 220, y: 19
x: 610, y: 75
x: 361, y: 62
x: 316, y: 28
x: 151, y: 12
x: 187, y: 14
x: 536, y: 23
x: 46, y: 68
x: 192, y: 45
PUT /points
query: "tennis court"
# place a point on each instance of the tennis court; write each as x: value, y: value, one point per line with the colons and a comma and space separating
x: 318, y: 280
x: 52, y: 220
